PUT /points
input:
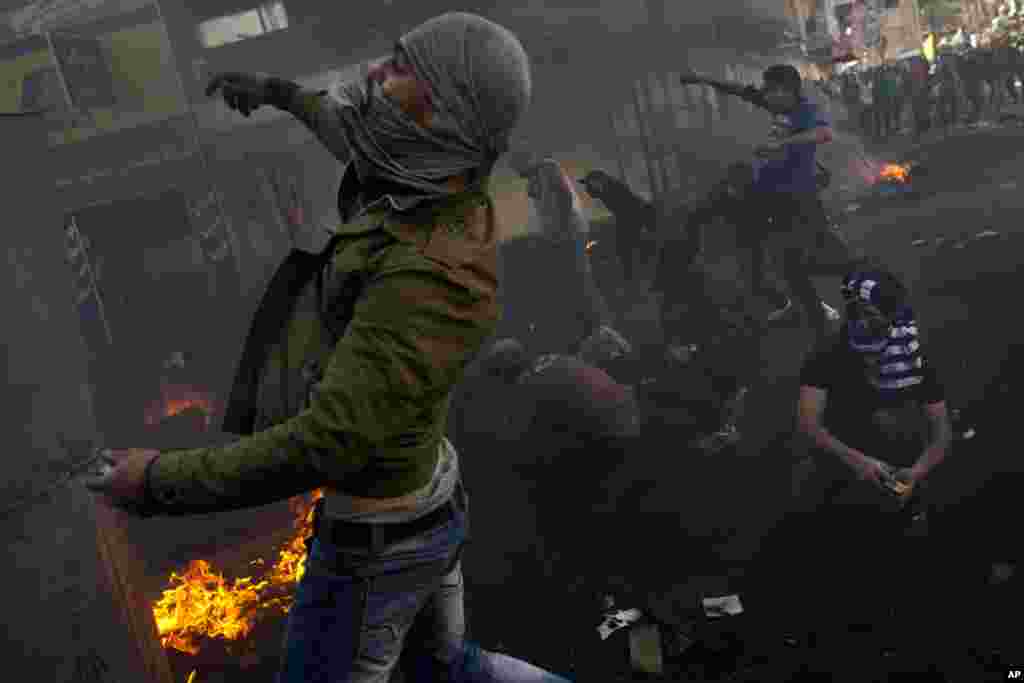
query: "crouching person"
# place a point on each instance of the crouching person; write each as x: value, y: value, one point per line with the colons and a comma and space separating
x: 874, y: 412
x: 353, y: 354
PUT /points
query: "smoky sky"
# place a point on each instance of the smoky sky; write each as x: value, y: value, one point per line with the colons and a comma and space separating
x: 738, y: 8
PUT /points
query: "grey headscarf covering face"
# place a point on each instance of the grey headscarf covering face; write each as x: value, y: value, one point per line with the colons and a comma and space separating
x: 479, y: 79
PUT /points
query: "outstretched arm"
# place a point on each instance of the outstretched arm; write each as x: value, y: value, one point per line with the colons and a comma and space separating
x: 747, y: 93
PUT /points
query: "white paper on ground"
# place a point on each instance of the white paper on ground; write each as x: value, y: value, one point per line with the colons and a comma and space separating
x: 728, y: 605
x: 618, y: 620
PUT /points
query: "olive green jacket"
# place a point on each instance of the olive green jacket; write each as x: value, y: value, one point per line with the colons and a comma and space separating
x: 350, y: 364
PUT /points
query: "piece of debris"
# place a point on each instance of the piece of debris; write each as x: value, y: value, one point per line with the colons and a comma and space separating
x: 851, y: 207
x: 616, y: 621
x: 919, y: 243
x: 1001, y: 573
x: 1011, y: 185
x: 986, y: 234
x: 728, y: 605
x: 716, y: 442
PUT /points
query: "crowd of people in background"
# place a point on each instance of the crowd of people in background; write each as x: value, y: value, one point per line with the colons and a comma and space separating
x: 962, y: 85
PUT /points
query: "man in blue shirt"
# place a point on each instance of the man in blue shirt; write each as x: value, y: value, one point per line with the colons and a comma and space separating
x: 780, y: 203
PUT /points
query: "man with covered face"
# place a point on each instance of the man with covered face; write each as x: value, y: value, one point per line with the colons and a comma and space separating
x: 345, y: 379
x: 873, y: 410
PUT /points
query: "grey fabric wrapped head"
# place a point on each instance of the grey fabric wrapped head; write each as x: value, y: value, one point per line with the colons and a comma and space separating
x: 479, y: 80
x: 478, y: 71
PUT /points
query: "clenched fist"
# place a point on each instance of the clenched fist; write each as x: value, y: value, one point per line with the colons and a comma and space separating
x: 243, y: 93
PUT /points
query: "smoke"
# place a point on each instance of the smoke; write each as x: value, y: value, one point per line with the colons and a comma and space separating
x: 765, y: 9
x: 748, y: 9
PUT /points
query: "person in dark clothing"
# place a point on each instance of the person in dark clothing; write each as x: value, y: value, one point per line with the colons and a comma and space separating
x: 885, y: 95
x: 950, y: 91
x: 851, y: 99
x: 562, y: 396
x: 1010, y: 65
x: 700, y: 387
x: 873, y: 411
x: 781, y: 205
x: 678, y: 275
x: 973, y: 74
x: 632, y: 214
x: 565, y: 410
x: 919, y: 85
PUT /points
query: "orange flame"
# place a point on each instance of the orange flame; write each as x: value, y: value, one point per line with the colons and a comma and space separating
x: 202, y: 604
x: 591, y: 244
x: 899, y: 173
x: 179, y: 398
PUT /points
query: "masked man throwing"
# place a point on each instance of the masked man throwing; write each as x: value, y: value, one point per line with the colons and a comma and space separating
x: 346, y: 376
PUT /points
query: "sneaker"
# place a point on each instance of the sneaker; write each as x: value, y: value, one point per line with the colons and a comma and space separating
x: 831, y: 314
x: 783, y: 313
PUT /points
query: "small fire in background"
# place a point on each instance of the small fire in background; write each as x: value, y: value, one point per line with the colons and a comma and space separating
x: 178, y: 399
x: 894, y: 173
x: 203, y: 604
x: 191, y: 678
x: 591, y: 244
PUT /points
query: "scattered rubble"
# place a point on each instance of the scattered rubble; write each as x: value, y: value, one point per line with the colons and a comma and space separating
x: 1001, y: 573
x: 728, y: 605
x: 618, y: 620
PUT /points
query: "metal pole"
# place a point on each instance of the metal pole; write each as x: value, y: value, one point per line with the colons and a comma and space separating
x: 197, y: 141
x: 60, y: 79
x: 93, y: 289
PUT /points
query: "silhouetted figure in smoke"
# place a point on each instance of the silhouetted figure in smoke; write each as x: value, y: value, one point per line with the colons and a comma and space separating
x: 564, y: 230
x: 632, y: 213
x: 573, y: 423
x: 951, y: 91
x: 919, y: 84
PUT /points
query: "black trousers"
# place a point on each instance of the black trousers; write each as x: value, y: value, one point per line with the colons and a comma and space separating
x: 796, y: 228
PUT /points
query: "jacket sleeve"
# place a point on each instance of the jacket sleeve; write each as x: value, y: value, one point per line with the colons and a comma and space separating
x: 754, y: 96
x: 411, y: 336
x: 316, y: 110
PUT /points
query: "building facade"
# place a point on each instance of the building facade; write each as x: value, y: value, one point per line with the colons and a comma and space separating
x: 871, y: 31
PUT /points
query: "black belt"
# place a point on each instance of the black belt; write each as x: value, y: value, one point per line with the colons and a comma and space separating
x: 375, y: 536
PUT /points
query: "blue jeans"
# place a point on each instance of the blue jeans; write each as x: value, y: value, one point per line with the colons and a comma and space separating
x: 362, y: 613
